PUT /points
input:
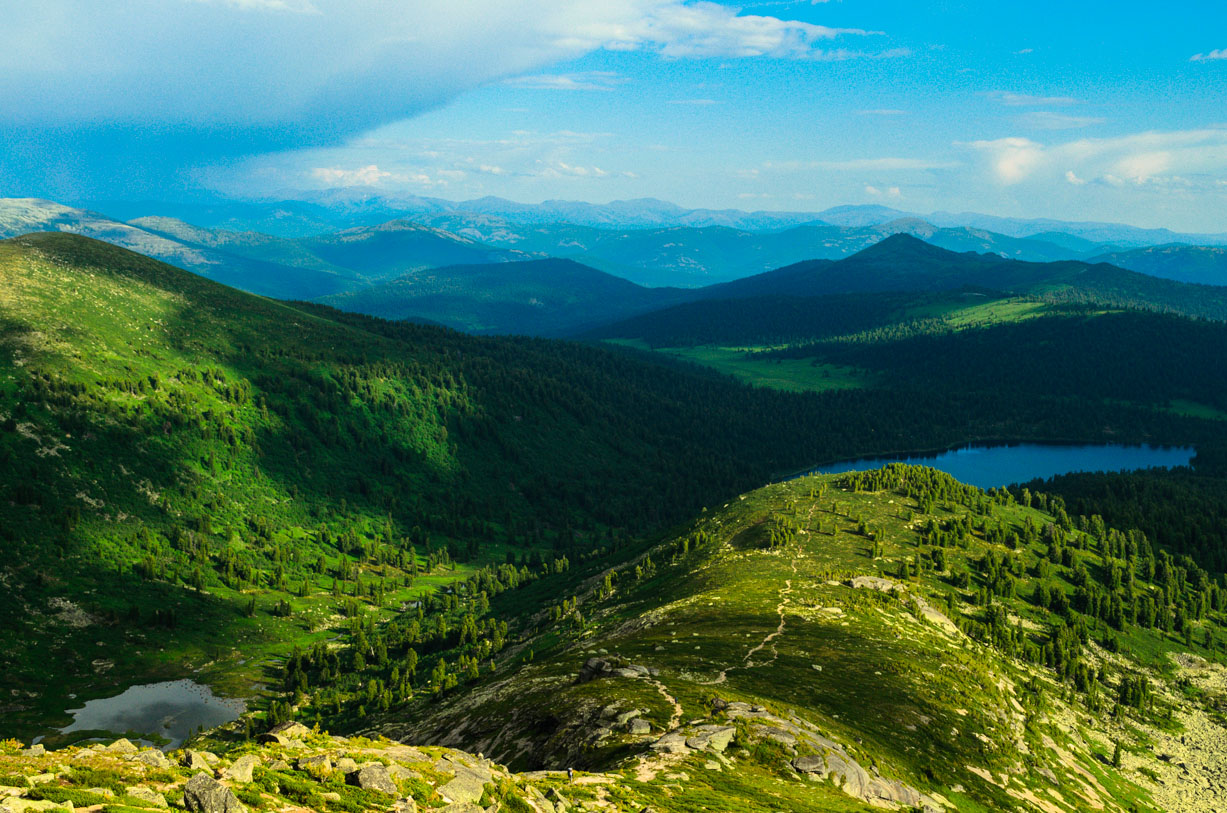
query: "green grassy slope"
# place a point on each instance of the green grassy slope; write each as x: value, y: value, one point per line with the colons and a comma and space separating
x: 211, y: 476
x: 984, y: 653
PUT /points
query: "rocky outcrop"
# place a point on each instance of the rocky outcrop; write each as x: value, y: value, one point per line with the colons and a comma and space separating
x: 375, y: 777
x: 204, y: 794
x: 240, y: 770
x: 595, y: 668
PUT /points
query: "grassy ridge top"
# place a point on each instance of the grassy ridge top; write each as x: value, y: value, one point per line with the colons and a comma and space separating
x: 981, y: 651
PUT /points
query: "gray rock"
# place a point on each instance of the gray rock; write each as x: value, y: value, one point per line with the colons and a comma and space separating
x: 319, y: 764
x: 346, y: 765
x: 121, y: 746
x: 375, y: 777
x: 279, y: 765
x: 194, y: 761
x: 400, y: 772
x: 405, y: 805
x: 626, y: 716
x: 107, y: 792
x: 240, y: 770
x: 672, y: 743
x: 16, y: 804
x: 6, y: 790
x: 153, y: 758
x: 284, y: 734
x: 146, y: 795
x: 204, y: 794
x: 41, y: 779
x: 711, y: 738
x: 640, y: 726
x: 465, y: 787
x: 34, y: 751
x: 462, y: 807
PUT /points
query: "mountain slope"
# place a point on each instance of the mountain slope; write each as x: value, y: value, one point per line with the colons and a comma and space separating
x: 539, y: 297
x: 902, y: 636
x: 398, y: 246
x: 177, y: 243
x: 176, y: 449
x: 1202, y: 265
x: 903, y: 263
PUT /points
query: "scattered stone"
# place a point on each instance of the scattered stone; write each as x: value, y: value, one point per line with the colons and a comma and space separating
x: 331, y: 796
x: 400, y: 773
x: 15, y: 804
x: 154, y: 759
x: 375, y: 777
x: 121, y: 746
x: 146, y: 795
x: 34, y: 751
x: 194, y: 761
x: 405, y: 805
x: 41, y: 779
x: 284, y: 734
x: 672, y: 743
x: 317, y: 765
x: 640, y: 726
x: 713, y: 738
x: 204, y: 794
x: 462, y: 807
x: 279, y: 765
x: 346, y: 765
x: 107, y: 792
x: 241, y: 770
x: 465, y: 787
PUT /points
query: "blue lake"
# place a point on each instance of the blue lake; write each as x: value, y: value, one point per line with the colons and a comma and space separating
x: 994, y: 466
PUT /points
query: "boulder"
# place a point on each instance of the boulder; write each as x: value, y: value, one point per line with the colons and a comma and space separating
x: 194, y: 761
x: 375, y: 777
x: 107, y: 792
x: 16, y: 804
x: 146, y: 795
x: 346, y: 765
x: 240, y: 770
x: 317, y: 765
x: 672, y: 743
x: 204, y: 794
x: 639, y: 726
x: 711, y: 738
x: 462, y: 807
x: 400, y: 772
x: 405, y: 805
x: 34, y: 751
x: 154, y: 759
x: 6, y: 790
x: 121, y: 746
x: 279, y: 765
x: 465, y: 787
x: 284, y: 734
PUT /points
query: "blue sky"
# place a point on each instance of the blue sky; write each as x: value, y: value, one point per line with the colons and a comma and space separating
x: 1089, y: 110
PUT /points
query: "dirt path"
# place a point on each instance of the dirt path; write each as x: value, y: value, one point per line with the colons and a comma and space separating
x: 677, y: 707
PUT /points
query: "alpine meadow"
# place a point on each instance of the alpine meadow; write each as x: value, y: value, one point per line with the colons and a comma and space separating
x: 573, y: 406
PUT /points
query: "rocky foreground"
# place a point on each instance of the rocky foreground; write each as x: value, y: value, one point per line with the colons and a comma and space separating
x: 291, y: 769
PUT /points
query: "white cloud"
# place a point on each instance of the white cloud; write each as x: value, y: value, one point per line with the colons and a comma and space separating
x: 1012, y: 159
x: 892, y: 192
x: 1027, y: 100
x: 370, y: 175
x: 1024, y: 51
x: 1048, y: 120
x: 1179, y: 159
x: 298, y: 6
x: 1216, y: 54
x: 865, y: 164
x: 588, y: 80
x: 285, y: 79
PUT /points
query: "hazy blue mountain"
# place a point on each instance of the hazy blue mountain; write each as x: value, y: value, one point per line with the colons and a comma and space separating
x: 193, y: 249
x: 1205, y: 265
x: 901, y: 263
x: 538, y: 297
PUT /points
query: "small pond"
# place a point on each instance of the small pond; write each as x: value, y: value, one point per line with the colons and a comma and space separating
x: 173, y: 710
x: 995, y: 466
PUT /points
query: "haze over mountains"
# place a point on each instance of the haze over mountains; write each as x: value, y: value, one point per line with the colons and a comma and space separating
x: 511, y: 269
